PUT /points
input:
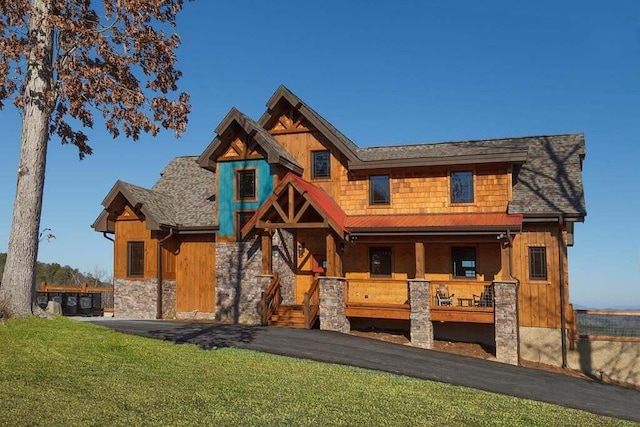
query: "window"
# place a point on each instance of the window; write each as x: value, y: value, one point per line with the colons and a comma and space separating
x: 241, y: 219
x: 380, y: 261
x: 463, y: 260
x: 379, y: 193
x: 538, y: 263
x: 135, y: 259
x: 246, y: 184
x: 462, y: 187
x: 321, y: 164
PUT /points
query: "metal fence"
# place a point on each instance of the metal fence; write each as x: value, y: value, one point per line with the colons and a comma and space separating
x: 608, y: 323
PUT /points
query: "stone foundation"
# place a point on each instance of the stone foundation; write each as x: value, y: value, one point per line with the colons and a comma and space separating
x: 136, y: 299
x: 332, y: 310
x: 506, y: 322
x: 168, y: 299
x: 238, y: 293
x: 541, y: 345
x: 283, y: 263
x: 421, y: 326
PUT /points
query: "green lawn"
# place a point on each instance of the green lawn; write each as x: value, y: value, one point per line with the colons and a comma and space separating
x: 64, y: 372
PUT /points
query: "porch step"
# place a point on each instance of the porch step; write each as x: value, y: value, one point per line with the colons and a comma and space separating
x: 291, y: 316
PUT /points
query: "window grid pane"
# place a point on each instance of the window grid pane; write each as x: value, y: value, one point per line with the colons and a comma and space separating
x: 321, y: 165
x: 246, y: 184
x: 462, y: 187
x: 241, y: 219
x: 538, y: 263
x: 463, y: 260
x: 135, y: 259
x: 380, y: 261
x: 379, y: 193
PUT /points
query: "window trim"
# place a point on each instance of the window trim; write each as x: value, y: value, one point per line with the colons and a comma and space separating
x: 373, y: 248
x: 542, y: 251
x: 131, y: 273
x: 475, y: 263
x: 473, y: 189
x: 237, y: 225
x: 236, y: 192
x: 313, y: 164
x: 371, y: 201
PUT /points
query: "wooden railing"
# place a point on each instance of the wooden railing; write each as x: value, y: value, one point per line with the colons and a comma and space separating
x: 83, y: 289
x: 376, y: 291
x: 271, y: 299
x: 311, y: 304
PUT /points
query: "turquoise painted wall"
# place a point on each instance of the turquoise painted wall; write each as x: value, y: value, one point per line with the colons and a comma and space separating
x: 226, y: 200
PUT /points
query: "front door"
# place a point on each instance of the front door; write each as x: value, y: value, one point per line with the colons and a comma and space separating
x: 311, y: 260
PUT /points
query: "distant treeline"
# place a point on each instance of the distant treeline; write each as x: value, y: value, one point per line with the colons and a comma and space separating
x: 56, y: 274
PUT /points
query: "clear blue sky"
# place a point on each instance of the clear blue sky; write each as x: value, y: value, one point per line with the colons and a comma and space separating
x: 392, y: 73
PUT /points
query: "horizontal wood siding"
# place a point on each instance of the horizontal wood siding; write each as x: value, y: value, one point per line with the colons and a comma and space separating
x: 539, y: 300
x: 427, y: 190
x: 195, y: 274
x: 129, y: 228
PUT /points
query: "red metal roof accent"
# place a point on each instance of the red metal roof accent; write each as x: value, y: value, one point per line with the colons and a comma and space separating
x: 462, y: 221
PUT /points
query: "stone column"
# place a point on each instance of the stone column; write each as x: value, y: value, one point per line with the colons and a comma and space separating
x: 506, y: 321
x: 421, y: 326
x: 332, y: 309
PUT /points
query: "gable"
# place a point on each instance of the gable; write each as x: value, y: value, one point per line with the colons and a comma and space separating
x: 241, y: 147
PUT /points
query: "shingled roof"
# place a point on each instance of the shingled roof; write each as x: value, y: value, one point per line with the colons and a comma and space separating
x: 182, y: 198
x: 550, y: 182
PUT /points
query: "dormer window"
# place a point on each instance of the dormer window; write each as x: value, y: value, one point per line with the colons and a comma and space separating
x: 246, y: 184
x: 320, y: 164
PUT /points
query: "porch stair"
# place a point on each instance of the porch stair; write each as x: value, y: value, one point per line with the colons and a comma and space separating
x: 290, y: 316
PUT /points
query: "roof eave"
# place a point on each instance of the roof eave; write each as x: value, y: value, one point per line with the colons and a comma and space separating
x: 514, y: 157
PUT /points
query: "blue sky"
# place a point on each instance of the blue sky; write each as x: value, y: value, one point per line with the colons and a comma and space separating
x: 391, y: 73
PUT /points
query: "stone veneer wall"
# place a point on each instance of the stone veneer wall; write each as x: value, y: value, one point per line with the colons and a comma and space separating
x: 506, y: 321
x: 332, y: 311
x: 283, y: 263
x: 168, y: 299
x: 238, y: 293
x: 135, y: 299
x: 421, y: 326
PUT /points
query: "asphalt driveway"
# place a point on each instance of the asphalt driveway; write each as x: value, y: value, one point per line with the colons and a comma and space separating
x: 333, y: 347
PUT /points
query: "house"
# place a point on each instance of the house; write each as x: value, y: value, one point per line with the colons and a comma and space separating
x: 286, y: 221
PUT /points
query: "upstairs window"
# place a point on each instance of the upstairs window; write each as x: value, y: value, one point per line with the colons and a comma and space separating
x: 379, y: 193
x: 135, y: 259
x: 463, y: 260
x: 538, y: 263
x: 462, y: 187
x: 380, y: 261
x: 320, y: 164
x: 246, y: 184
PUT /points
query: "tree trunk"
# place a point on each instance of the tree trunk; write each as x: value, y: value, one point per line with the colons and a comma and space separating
x: 18, y: 281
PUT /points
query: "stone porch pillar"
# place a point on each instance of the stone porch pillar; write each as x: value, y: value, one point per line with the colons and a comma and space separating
x: 506, y: 321
x: 420, y: 301
x: 332, y: 310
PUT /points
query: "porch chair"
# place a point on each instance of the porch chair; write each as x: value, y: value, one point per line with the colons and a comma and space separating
x: 443, y: 297
x: 485, y: 299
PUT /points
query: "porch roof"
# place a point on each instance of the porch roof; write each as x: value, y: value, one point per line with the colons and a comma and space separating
x: 463, y: 222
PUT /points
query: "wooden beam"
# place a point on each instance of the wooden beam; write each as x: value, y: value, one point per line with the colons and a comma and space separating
x: 266, y: 224
x: 504, y: 260
x: 301, y: 212
x: 291, y: 204
x: 420, y: 260
x: 331, y: 254
x: 280, y: 211
x: 267, y: 250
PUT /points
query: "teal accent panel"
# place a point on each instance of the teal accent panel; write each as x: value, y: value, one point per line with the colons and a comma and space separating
x: 227, y: 204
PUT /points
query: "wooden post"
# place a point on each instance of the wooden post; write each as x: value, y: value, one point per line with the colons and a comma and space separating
x: 331, y: 255
x: 505, y: 247
x: 420, y: 260
x: 267, y: 250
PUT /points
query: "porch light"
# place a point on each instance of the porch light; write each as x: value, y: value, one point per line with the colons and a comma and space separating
x: 300, y: 249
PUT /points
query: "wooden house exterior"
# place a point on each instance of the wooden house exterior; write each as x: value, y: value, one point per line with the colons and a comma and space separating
x: 286, y: 221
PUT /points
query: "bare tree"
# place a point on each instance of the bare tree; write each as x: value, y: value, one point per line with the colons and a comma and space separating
x: 61, y: 63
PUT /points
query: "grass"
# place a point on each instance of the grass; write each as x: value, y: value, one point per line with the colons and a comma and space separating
x: 63, y: 372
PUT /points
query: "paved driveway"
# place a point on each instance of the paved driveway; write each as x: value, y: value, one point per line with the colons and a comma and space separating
x: 333, y: 347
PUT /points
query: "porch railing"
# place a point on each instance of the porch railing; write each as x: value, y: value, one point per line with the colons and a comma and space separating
x: 471, y: 294
x: 271, y: 299
x: 311, y: 304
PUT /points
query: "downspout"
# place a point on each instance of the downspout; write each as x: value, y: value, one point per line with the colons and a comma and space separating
x: 104, y: 234
x: 563, y: 315
x: 159, y: 290
x: 510, y: 238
